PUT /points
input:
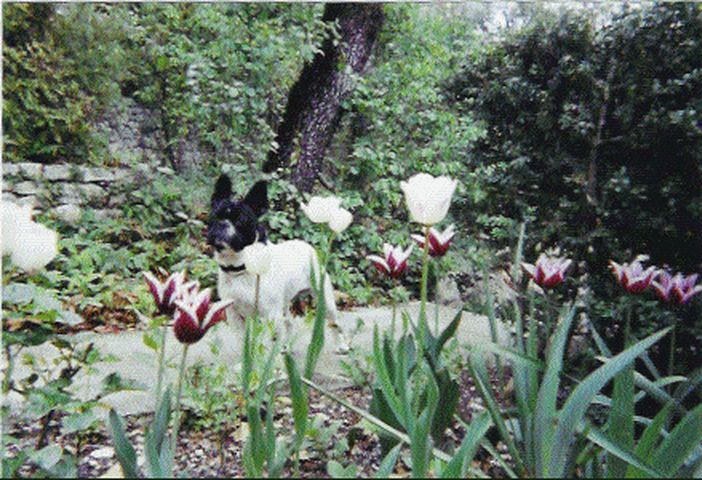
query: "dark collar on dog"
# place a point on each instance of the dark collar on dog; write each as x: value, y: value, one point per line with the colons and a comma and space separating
x: 233, y: 268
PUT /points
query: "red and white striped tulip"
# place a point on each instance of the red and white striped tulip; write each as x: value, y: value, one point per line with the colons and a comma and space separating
x: 548, y: 272
x: 676, y: 289
x: 632, y: 276
x: 195, y: 315
x: 393, y: 263
x: 167, y: 292
x: 439, y: 242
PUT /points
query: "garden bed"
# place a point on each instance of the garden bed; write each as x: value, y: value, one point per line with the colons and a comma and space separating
x: 200, y: 455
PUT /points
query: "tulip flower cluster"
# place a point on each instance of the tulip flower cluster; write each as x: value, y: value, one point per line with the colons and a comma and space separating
x: 675, y: 289
x: 31, y: 246
x: 328, y: 210
x: 428, y: 199
x: 192, y: 311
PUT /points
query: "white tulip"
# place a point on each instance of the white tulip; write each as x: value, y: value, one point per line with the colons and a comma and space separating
x: 14, y: 220
x: 340, y: 220
x: 257, y: 258
x: 428, y: 198
x: 39, y: 245
x: 320, y: 209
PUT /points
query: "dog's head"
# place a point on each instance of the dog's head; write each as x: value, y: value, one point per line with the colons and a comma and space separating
x: 234, y: 223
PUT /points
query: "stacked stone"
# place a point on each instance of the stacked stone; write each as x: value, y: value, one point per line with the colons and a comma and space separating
x: 64, y: 189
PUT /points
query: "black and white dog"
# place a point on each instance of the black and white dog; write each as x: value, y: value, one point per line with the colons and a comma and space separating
x: 234, y: 225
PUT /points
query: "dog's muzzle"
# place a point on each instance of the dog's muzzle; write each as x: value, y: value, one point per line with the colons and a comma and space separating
x: 219, y: 235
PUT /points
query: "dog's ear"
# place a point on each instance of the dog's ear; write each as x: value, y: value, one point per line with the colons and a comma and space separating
x: 222, y: 190
x: 257, y: 198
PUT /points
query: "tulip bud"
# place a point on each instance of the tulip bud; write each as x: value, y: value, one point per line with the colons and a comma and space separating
x: 340, y: 220
x: 257, y: 258
x: 428, y: 198
x: 320, y: 209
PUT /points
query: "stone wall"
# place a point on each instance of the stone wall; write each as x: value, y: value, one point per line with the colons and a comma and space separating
x: 64, y: 189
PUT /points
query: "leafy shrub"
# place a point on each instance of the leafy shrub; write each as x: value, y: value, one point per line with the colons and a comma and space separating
x: 589, y: 135
x: 62, y: 67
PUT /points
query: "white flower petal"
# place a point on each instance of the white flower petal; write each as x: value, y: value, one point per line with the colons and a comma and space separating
x: 320, y: 209
x: 340, y: 219
x: 257, y: 258
x: 428, y: 198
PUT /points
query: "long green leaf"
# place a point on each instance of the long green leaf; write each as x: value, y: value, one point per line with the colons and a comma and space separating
x: 387, y: 466
x: 649, y: 439
x: 546, y: 412
x: 459, y: 464
x: 449, y: 331
x: 620, y: 426
x: 317, y: 341
x: 677, y: 447
x: 599, y: 438
x: 476, y: 367
x: 575, y: 407
x: 385, y: 380
x: 299, y: 399
x: 518, y: 359
x: 126, y: 456
x: 154, y: 438
x: 420, y: 447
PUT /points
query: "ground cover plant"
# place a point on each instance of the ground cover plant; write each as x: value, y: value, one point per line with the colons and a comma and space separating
x: 540, y: 180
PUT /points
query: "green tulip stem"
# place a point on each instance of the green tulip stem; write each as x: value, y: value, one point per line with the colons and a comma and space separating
x: 176, y: 424
x: 394, y: 313
x: 437, y: 271
x: 423, y: 291
x: 161, y: 361
x: 671, y: 355
x: 257, y: 296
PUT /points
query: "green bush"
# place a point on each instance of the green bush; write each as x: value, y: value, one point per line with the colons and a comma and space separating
x: 61, y: 68
x: 590, y: 136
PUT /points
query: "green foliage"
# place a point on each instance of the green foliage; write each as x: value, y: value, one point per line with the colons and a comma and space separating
x: 589, y: 135
x: 399, y: 372
x: 62, y: 67
x: 219, y: 73
x: 158, y: 457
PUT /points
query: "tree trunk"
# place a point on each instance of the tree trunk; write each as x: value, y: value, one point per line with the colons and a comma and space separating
x: 314, y: 104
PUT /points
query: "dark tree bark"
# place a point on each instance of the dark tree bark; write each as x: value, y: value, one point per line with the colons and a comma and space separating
x: 314, y: 104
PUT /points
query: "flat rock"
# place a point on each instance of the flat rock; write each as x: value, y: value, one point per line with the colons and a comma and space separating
x: 28, y: 187
x: 97, y: 174
x: 68, y: 213
x: 104, y: 452
x: 30, y: 169
x: 138, y: 363
x: 10, y: 169
x: 57, y: 172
